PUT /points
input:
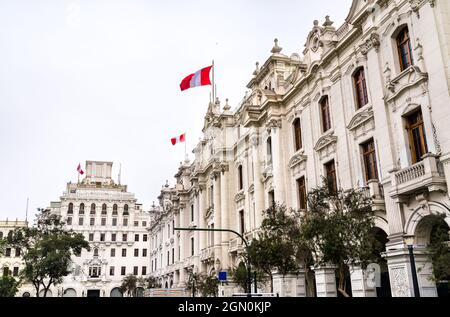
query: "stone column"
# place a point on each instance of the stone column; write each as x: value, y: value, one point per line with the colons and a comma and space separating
x: 326, y: 281
x: 217, y: 218
x: 201, y: 215
x: 225, y: 214
x: 182, y: 242
x: 277, y: 162
x: 290, y: 285
x: 360, y: 287
x: 259, y: 188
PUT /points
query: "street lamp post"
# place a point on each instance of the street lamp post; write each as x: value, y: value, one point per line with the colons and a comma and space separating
x: 412, y: 261
x: 249, y: 277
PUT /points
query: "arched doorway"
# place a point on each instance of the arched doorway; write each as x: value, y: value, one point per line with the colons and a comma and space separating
x: 70, y: 292
x: 434, y: 233
x: 26, y: 294
x: 115, y: 292
x: 383, y: 289
x: 49, y: 293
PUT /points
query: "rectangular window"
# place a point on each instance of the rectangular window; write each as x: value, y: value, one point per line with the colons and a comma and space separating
x: 124, y: 253
x: 124, y: 237
x: 15, y: 271
x: 417, y: 139
x: 114, y: 222
x: 325, y: 113
x: 125, y: 222
x: 144, y: 237
x: 370, y: 160
x: 92, y: 221
x: 69, y: 221
x: 192, y: 247
x: 113, y: 237
x: 173, y: 255
x: 80, y: 221
x: 144, y: 270
x: 192, y: 213
x: 136, y: 252
x: 102, y: 237
x: 136, y: 223
x: 8, y: 252
x: 103, y: 221
x: 361, y: 88
x: 136, y: 238
x: 301, y: 187
x: 18, y: 251
x: 330, y: 171
x: 241, y: 222
x: 5, y: 271
x: 144, y: 252
x: 404, y: 49
x: 135, y: 270
x: 113, y: 253
x: 111, y: 270
x: 271, y: 198
x: 298, y: 135
x: 144, y: 224
x: 91, y: 237
x: 168, y: 258
x: 240, y: 178
x: 123, y: 270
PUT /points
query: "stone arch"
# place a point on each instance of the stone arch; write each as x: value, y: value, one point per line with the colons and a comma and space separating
x: 115, y: 292
x: 413, y: 227
x: 70, y: 292
x: 382, y: 224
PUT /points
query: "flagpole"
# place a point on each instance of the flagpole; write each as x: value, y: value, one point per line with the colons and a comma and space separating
x: 213, y: 83
x: 185, y: 148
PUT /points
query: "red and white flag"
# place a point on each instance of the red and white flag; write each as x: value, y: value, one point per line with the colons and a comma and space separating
x: 179, y: 139
x: 200, y: 78
x: 79, y: 170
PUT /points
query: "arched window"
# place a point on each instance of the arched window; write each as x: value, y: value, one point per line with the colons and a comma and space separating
x: 93, y: 209
x: 404, y: 49
x: 125, y: 210
x: 81, y: 212
x: 361, y: 88
x: 240, y: 178
x: 115, y: 210
x: 325, y: 113
x: 70, y: 209
x: 95, y: 252
x: 297, y: 134
x: 104, y: 209
x: 269, y: 150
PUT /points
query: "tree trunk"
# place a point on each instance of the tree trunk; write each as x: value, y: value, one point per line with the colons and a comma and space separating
x: 342, y: 283
x: 271, y: 282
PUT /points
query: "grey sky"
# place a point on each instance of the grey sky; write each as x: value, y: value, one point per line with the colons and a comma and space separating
x: 99, y: 80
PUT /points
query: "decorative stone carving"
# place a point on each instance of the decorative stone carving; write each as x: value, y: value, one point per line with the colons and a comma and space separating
x: 297, y: 159
x: 239, y: 197
x: 411, y: 77
x: 372, y: 42
x: 399, y: 280
x: 360, y: 118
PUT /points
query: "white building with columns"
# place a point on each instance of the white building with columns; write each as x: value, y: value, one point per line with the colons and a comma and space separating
x: 366, y: 104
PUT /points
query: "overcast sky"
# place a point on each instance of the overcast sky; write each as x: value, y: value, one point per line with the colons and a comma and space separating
x: 99, y: 80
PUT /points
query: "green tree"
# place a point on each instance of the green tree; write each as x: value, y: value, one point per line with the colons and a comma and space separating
x: 439, y: 247
x: 209, y: 286
x: 152, y: 282
x: 9, y: 286
x: 47, y: 250
x: 129, y: 285
x: 277, y: 245
x: 337, y: 229
x: 239, y: 275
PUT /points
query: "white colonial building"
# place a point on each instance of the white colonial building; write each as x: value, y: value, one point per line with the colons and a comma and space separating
x: 366, y: 104
x: 114, y: 224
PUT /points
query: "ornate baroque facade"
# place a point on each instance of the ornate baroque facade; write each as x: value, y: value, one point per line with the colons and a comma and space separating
x: 365, y: 105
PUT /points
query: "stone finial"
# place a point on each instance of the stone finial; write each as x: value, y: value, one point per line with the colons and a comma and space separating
x: 328, y: 22
x: 316, y: 23
x: 256, y: 72
x: 217, y: 101
x: 167, y: 184
x: 227, y: 106
x: 276, y: 49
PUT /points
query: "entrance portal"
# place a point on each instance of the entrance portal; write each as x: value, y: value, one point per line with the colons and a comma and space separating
x: 93, y: 293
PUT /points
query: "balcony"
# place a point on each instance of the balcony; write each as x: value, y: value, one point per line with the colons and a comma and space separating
x: 235, y: 245
x: 375, y: 191
x: 423, y: 176
x: 207, y: 254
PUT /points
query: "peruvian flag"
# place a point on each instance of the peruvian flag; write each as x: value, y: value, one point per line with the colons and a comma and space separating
x: 200, y: 78
x: 79, y: 170
x: 181, y: 138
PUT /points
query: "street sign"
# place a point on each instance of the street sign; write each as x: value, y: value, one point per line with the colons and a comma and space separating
x: 223, y: 276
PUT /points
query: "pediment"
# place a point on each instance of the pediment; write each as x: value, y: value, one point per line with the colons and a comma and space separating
x: 297, y: 159
x: 359, y: 118
x: 325, y: 141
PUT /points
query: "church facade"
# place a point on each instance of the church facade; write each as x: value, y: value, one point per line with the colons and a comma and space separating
x: 366, y: 105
